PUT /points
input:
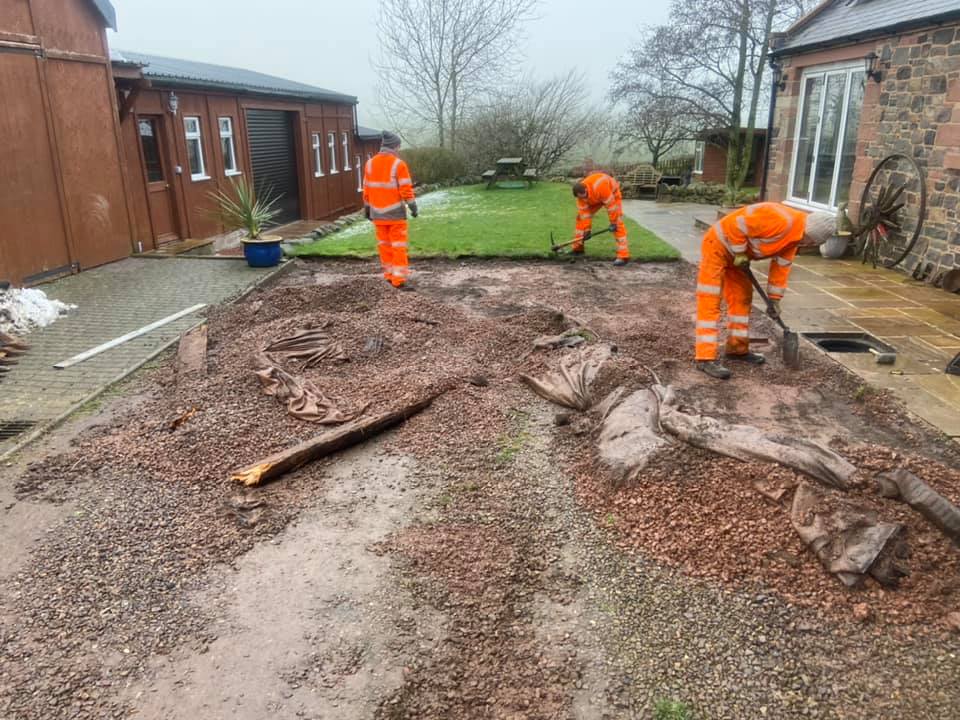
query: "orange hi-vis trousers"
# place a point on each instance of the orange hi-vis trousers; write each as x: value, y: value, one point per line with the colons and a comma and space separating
x: 718, y: 276
x: 392, y: 244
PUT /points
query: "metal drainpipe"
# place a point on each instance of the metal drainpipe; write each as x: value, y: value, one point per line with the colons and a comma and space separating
x: 776, y: 68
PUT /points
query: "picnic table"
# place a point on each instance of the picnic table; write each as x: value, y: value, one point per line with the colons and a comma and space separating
x: 510, y: 169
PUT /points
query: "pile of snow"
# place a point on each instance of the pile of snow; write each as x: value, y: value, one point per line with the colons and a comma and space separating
x: 22, y: 309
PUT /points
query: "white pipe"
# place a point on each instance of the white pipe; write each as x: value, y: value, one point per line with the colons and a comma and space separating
x: 86, y: 355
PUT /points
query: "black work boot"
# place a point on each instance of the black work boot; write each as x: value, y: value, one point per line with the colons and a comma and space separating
x: 748, y: 357
x: 714, y: 369
x: 620, y: 262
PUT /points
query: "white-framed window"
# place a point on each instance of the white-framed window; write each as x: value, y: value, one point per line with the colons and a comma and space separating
x: 825, y: 144
x: 332, y: 147
x: 228, y: 146
x: 699, y: 149
x: 359, y: 169
x: 345, y: 142
x: 317, y: 155
x: 198, y: 169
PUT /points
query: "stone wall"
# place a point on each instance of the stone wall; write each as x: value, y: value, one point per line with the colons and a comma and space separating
x: 914, y: 110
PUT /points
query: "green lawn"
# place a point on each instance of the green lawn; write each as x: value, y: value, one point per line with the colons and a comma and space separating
x: 472, y: 221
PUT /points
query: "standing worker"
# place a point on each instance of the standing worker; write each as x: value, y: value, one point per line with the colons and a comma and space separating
x: 595, y: 191
x: 387, y: 193
x: 756, y: 232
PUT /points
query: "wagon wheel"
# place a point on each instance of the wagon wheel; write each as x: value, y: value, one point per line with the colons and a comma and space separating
x: 892, y: 210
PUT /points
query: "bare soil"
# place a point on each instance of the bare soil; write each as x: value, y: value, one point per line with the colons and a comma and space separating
x: 475, y: 562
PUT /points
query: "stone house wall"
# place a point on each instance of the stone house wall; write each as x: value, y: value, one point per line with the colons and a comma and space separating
x: 914, y: 110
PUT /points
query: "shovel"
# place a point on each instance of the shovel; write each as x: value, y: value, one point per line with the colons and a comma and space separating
x: 557, y: 248
x: 791, y: 341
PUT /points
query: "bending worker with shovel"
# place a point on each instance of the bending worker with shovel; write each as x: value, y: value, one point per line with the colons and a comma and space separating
x: 596, y: 191
x: 756, y: 232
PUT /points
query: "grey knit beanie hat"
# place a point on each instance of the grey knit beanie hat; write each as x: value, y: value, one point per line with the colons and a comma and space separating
x: 390, y: 140
x: 821, y: 226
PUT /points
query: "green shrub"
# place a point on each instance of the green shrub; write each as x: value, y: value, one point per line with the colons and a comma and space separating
x: 430, y: 165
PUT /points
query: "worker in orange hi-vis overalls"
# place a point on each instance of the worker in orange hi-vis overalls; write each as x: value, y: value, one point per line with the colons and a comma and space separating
x: 756, y: 232
x: 387, y: 193
x: 599, y: 190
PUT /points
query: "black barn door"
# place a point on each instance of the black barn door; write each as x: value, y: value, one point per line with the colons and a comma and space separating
x: 274, y: 156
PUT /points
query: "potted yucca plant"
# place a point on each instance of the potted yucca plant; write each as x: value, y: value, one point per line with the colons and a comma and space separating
x: 243, y: 210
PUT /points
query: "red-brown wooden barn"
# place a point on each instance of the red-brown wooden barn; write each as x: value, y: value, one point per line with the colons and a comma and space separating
x: 119, y: 153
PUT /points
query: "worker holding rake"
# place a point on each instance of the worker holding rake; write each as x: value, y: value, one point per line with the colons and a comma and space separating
x: 761, y: 231
x: 596, y: 191
x: 387, y: 194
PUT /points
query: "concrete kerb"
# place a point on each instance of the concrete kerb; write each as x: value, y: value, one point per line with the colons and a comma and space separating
x: 50, y: 425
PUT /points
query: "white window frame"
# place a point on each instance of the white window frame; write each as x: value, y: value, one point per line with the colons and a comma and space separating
x: 332, y: 146
x: 228, y: 135
x: 345, y: 142
x: 359, y: 163
x: 699, y: 152
x: 845, y: 68
x: 198, y: 136
x: 317, y: 155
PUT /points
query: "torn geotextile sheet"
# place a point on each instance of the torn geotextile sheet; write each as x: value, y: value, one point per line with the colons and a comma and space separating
x: 311, y: 345
x: 569, y: 385
x: 303, y: 399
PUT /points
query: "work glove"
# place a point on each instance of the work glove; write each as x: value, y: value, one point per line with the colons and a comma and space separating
x: 741, y: 261
x: 414, y: 210
x: 613, y: 227
x: 587, y: 235
x: 366, y: 211
x: 773, y: 309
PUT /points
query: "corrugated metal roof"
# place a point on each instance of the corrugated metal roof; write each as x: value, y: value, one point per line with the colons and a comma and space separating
x: 109, y: 15
x: 187, y: 73
x: 843, y: 21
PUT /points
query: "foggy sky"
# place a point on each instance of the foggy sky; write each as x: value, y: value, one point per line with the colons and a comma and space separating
x: 331, y: 43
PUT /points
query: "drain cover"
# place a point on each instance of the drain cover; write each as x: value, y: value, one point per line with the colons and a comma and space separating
x: 12, y: 428
x: 848, y: 342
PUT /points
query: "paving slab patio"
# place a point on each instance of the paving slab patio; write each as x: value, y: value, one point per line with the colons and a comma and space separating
x: 921, y: 322
x: 111, y: 301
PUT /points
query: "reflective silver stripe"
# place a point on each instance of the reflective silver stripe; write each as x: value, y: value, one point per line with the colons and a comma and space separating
x: 375, y: 184
x: 738, y: 319
x: 783, y: 262
x: 386, y: 208
x: 400, y: 271
x: 707, y: 324
x: 399, y: 244
x: 710, y: 339
x: 736, y: 332
x: 607, y: 200
x: 708, y: 289
x: 775, y: 290
x: 395, y: 169
x: 404, y: 181
x: 742, y: 224
x: 585, y: 216
x: 735, y: 249
x: 370, y: 166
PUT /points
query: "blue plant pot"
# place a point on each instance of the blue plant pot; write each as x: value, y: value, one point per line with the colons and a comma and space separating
x: 263, y: 252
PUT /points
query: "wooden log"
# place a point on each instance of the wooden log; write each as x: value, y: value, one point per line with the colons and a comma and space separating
x: 329, y: 442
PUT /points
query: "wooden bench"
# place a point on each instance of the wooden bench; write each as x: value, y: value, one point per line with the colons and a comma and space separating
x: 531, y: 175
x: 640, y: 178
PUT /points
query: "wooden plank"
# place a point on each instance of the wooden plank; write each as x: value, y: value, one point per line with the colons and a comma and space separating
x: 328, y: 443
x: 192, y: 353
x: 87, y: 354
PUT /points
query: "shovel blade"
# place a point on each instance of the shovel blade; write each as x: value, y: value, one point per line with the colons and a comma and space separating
x: 791, y: 350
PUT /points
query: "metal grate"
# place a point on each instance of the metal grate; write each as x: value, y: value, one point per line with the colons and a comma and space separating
x: 12, y: 428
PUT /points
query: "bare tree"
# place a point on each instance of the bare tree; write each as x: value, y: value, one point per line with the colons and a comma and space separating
x: 654, y: 119
x: 538, y: 121
x: 709, y: 61
x: 438, y: 55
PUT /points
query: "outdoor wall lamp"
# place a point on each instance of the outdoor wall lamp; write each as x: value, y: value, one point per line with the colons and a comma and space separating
x: 779, y: 77
x: 871, y: 66
x: 173, y: 103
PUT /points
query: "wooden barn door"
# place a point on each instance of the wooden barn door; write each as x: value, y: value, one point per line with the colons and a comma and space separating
x: 156, y: 169
x: 274, y: 157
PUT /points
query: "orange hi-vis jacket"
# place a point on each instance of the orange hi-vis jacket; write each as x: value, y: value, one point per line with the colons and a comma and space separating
x: 764, y: 230
x: 386, y: 187
x: 602, y: 191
